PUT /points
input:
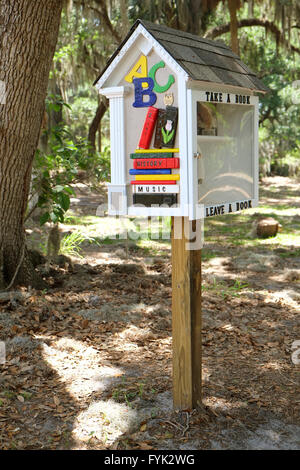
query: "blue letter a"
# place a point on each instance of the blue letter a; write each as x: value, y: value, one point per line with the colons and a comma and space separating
x: 140, y: 92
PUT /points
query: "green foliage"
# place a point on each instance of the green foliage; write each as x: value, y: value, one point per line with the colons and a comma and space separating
x: 26, y: 395
x: 278, y: 67
x: 53, y: 187
x: 279, y: 113
x: 83, y: 47
x: 70, y: 244
x: 55, y: 103
x: 83, y: 109
x: 58, y: 167
x: 221, y: 288
x: 127, y: 392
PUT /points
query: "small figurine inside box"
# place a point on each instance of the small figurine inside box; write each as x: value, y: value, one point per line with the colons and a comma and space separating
x: 206, y: 119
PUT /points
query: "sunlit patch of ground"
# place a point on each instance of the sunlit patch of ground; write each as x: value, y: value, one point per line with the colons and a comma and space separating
x: 81, y: 368
x: 104, y: 422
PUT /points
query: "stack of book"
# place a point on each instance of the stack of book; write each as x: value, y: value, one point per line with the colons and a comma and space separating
x: 153, y: 176
x: 154, y: 181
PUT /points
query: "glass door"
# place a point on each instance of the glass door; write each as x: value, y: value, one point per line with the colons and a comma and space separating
x: 225, y: 152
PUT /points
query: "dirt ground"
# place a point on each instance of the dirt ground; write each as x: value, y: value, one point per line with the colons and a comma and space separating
x: 88, y: 359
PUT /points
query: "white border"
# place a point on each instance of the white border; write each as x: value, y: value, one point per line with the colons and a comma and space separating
x: 256, y: 149
x: 114, y: 91
x: 183, y: 146
x: 204, y: 85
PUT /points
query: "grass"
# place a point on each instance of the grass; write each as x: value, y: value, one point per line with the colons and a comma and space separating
x: 126, y: 392
x: 120, y: 395
x: 224, y: 290
x: 290, y: 254
x: 8, y: 394
x: 233, y: 229
x: 154, y: 247
x: 82, y: 220
x: 26, y: 395
x: 71, y: 244
x: 208, y: 254
x: 230, y: 230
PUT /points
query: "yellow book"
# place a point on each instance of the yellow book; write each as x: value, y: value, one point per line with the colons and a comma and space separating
x: 156, y: 177
x: 157, y: 151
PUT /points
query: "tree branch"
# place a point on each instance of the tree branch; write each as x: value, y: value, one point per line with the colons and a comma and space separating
x: 106, y: 20
x: 268, y: 25
x: 102, y: 13
x: 233, y: 6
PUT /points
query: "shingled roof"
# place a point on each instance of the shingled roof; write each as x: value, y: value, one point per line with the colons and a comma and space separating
x: 202, y: 59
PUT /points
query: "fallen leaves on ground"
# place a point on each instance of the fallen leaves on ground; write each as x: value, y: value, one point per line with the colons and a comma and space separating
x: 88, y: 363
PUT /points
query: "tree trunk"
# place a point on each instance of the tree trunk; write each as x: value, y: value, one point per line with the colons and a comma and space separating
x: 95, y: 124
x: 233, y: 6
x: 100, y: 137
x: 29, y: 33
x: 196, y: 12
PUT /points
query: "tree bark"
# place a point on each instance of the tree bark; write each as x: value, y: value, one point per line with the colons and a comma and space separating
x: 95, y: 124
x: 28, y: 37
x: 233, y: 6
x: 195, y: 7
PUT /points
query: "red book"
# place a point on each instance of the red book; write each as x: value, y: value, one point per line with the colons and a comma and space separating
x: 154, y: 182
x: 155, y: 163
x: 148, y: 128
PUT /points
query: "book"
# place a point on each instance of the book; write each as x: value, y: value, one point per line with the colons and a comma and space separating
x: 155, y: 199
x: 155, y: 163
x: 155, y: 188
x: 152, y: 155
x: 157, y: 177
x: 153, y: 182
x: 150, y: 172
x: 159, y: 123
x: 157, y: 150
x: 169, y: 126
x: 148, y: 128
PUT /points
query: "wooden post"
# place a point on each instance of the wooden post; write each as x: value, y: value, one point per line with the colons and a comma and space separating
x: 186, y: 321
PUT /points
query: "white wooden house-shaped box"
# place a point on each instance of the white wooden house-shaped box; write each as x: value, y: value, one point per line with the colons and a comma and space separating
x: 183, y: 125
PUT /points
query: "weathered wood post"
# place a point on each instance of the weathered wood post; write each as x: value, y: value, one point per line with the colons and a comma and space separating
x: 186, y: 318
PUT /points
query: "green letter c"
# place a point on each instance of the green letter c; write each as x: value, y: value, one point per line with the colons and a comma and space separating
x: 158, y: 88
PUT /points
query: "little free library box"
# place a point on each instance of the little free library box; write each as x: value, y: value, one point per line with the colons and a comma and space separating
x: 183, y: 126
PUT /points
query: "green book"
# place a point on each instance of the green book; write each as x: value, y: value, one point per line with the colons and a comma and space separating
x: 152, y: 155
